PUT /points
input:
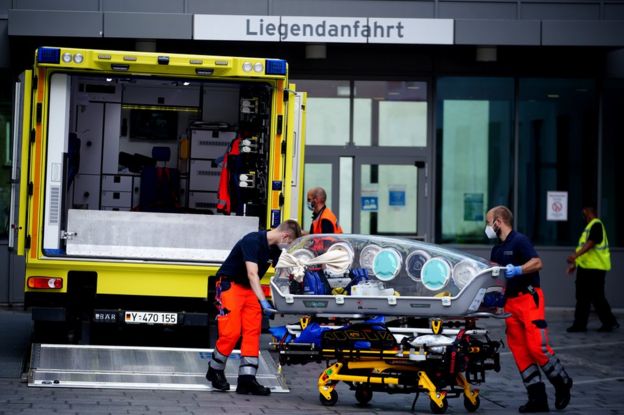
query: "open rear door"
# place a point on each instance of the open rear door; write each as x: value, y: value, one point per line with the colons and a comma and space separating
x: 19, y: 176
x: 295, y: 152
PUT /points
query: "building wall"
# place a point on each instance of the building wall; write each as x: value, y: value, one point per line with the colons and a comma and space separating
x: 534, y: 37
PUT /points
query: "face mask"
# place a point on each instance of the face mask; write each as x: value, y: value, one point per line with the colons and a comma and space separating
x: 310, y: 206
x: 490, y: 232
x: 283, y: 245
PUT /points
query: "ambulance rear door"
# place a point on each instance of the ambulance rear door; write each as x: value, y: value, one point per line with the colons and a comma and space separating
x: 295, y: 151
x: 19, y: 160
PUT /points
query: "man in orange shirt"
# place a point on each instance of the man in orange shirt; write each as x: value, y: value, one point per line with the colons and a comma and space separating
x: 323, y: 219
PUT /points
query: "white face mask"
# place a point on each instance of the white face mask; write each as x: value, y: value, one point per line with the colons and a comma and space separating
x: 283, y: 245
x: 310, y: 206
x: 490, y: 232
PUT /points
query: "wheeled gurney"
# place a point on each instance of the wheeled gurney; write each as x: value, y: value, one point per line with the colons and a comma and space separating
x: 388, y: 315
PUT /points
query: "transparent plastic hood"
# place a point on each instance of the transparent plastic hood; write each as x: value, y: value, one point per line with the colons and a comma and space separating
x: 365, y: 265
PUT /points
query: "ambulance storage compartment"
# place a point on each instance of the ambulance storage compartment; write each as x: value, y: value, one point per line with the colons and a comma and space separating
x: 371, y: 275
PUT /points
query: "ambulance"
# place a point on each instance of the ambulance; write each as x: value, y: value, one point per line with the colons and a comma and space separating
x: 134, y: 175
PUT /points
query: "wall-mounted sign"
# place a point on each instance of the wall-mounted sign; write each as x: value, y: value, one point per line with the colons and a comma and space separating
x: 323, y: 29
x: 369, y: 200
x: 396, y: 196
x: 557, y: 206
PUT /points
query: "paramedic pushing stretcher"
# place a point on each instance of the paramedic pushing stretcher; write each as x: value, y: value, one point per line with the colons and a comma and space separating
x: 527, y: 334
x: 242, y: 302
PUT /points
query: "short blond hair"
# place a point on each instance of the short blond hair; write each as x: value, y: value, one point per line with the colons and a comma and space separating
x: 291, y: 226
x: 503, y: 213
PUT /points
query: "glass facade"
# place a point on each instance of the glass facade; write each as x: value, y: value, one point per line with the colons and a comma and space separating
x: 612, y: 201
x: 396, y: 190
x: 390, y: 114
x: 474, y: 126
x: 558, y: 151
x: 327, y: 111
x: 491, y: 153
x: 6, y: 150
x: 347, y: 118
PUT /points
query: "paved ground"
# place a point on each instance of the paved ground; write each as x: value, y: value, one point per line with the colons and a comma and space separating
x: 593, y: 359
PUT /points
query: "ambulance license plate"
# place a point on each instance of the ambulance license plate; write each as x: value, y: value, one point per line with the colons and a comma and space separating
x: 150, y: 317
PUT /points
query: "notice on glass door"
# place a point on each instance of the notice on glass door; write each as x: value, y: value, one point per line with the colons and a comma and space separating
x: 557, y: 206
x: 396, y: 196
x: 370, y: 200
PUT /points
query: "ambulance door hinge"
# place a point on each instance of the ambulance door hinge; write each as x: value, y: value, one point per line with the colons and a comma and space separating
x: 33, y: 135
x: 31, y: 188
x: 27, y: 242
x: 280, y: 122
x: 286, y: 95
x: 281, y: 199
x: 283, y: 146
x: 39, y: 115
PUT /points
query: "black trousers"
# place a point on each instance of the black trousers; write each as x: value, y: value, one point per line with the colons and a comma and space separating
x: 590, y: 285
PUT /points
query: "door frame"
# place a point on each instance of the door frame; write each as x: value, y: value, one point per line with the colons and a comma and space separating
x: 420, y: 159
x: 423, y: 191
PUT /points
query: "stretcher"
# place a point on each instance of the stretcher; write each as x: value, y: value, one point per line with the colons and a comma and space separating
x: 388, y: 315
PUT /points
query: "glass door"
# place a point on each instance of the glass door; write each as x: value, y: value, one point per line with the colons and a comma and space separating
x: 391, y: 196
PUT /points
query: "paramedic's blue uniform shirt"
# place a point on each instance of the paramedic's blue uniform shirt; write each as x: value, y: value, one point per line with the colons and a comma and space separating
x: 253, y: 247
x: 516, y: 250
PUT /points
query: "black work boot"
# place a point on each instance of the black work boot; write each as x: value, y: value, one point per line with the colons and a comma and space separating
x: 562, y: 391
x: 248, y: 385
x: 218, y: 379
x: 538, y: 401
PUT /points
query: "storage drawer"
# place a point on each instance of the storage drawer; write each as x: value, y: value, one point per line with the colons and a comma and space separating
x: 203, y: 176
x: 203, y: 200
x: 210, y: 144
x: 86, y: 191
x: 116, y: 199
x: 117, y: 183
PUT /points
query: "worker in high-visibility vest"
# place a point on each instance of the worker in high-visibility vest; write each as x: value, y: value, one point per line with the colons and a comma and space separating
x: 591, y: 260
x: 323, y: 219
x: 241, y: 303
x: 526, y: 328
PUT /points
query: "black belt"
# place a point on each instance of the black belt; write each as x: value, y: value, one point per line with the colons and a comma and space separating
x: 527, y: 290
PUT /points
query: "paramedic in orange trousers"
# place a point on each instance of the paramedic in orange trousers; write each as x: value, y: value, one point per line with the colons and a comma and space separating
x: 242, y: 303
x: 527, y: 334
x: 323, y: 219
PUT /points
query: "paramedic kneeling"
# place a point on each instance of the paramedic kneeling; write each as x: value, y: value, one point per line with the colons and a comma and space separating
x: 241, y: 303
x: 527, y: 334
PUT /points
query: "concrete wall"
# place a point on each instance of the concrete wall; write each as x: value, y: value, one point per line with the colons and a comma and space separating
x: 501, y: 22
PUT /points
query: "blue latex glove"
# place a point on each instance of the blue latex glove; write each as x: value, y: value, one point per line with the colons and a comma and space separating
x: 267, y: 308
x: 513, y: 270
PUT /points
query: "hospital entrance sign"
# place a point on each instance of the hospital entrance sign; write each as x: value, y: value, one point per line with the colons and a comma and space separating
x: 323, y: 29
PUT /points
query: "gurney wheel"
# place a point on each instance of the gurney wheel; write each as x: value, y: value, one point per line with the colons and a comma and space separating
x: 470, y: 407
x: 363, y: 394
x: 332, y: 400
x: 436, y: 409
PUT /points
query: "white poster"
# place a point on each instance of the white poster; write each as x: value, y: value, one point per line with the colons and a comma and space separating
x: 557, y: 206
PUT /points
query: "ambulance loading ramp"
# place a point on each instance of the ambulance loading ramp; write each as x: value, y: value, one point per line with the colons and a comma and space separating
x: 126, y: 367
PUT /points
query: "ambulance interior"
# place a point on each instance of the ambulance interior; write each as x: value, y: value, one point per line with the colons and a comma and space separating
x: 134, y: 166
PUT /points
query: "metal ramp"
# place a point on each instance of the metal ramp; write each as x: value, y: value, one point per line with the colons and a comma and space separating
x: 129, y: 367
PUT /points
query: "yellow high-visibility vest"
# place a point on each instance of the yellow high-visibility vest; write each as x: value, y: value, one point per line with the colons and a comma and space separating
x: 599, y: 256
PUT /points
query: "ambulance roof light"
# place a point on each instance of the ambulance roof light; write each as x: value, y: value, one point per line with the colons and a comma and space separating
x: 48, y: 55
x: 275, y: 67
